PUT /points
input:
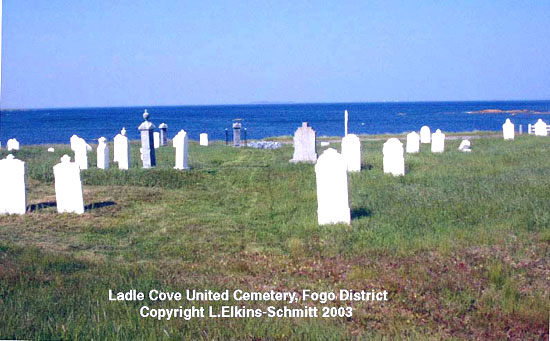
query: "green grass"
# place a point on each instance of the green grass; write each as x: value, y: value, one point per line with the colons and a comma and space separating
x: 462, y: 243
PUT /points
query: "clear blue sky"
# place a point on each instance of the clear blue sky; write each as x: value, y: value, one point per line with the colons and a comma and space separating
x: 67, y: 53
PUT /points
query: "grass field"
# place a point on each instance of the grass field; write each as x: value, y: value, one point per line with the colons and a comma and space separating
x: 461, y: 243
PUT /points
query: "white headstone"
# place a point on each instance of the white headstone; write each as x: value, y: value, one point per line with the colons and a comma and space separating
x: 102, y: 153
x: 332, y: 189
x: 12, y: 144
x: 121, y: 151
x: 181, y: 144
x: 13, y: 196
x: 540, y: 128
x: 413, y: 142
x: 508, y: 130
x: 351, y: 151
x: 464, y: 146
x: 204, y: 139
x: 68, y: 187
x: 156, y: 139
x: 74, y: 140
x: 304, y: 144
x: 394, y: 160
x: 51, y: 150
x: 438, y: 142
x: 80, y: 148
x: 325, y: 143
x: 425, y: 134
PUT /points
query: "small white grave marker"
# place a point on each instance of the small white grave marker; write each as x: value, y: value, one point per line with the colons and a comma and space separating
x: 394, y: 160
x: 508, y: 130
x: 13, y: 195
x: 204, y: 139
x: 12, y: 144
x: 351, y: 151
x: 464, y: 146
x: 438, y: 142
x: 413, y: 142
x: 425, y: 134
x: 332, y: 189
x: 102, y: 153
x: 540, y: 128
x: 181, y: 144
x: 156, y: 139
x: 68, y: 187
x: 51, y: 150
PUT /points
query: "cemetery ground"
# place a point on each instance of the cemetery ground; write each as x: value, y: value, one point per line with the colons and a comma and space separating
x: 461, y: 243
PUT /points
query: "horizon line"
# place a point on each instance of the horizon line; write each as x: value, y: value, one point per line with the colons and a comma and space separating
x: 267, y: 103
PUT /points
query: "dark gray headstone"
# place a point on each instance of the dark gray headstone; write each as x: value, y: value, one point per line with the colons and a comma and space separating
x: 163, y: 136
x: 237, y: 133
x: 147, y: 147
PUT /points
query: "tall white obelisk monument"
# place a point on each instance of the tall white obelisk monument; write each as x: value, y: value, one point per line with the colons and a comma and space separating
x: 0, y: 53
x: 345, y: 120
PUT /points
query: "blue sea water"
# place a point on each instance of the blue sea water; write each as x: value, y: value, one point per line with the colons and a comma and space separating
x: 58, y: 125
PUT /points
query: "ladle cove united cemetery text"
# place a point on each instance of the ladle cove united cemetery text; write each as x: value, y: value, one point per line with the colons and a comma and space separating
x: 241, y: 295
x: 241, y: 311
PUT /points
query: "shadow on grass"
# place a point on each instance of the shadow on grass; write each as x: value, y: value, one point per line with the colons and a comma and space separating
x: 97, y: 205
x: 361, y: 212
x: 43, y: 205
x: 40, y: 206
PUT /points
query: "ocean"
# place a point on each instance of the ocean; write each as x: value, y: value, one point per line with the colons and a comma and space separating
x: 43, y: 126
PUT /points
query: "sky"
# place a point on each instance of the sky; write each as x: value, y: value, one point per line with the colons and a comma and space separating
x: 66, y: 53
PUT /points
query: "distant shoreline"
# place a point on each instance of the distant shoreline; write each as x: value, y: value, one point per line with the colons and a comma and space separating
x: 511, y: 112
